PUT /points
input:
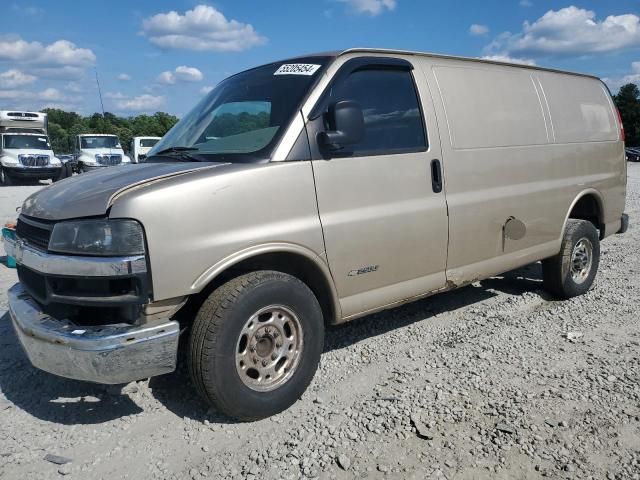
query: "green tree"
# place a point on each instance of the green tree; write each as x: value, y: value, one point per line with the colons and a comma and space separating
x: 628, y: 102
x: 64, y: 126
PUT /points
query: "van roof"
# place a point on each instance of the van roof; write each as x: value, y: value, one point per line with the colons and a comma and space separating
x: 338, y: 53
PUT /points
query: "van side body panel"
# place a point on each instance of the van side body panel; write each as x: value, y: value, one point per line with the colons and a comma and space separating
x: 503, y: 160
x: 228, y: 213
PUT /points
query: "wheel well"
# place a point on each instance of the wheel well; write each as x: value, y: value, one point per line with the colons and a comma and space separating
x: 588, y: 208
x: 290, y: 263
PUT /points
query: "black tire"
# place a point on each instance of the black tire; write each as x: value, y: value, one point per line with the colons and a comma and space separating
x: 558, y: 271
x: 65, y: 172
x: 5, y: 178
x: 217, y: 331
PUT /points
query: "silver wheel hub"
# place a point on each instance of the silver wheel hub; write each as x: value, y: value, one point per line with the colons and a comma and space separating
x: 269, y: 348
x: 581, y: 260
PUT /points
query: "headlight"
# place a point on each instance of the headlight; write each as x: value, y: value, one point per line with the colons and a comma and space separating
x: 7, y: 160
x: 98, y: 237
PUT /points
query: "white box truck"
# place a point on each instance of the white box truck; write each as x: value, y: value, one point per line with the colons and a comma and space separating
x: 25, y: 151
x: 97, y: 150
x: 140, y: 146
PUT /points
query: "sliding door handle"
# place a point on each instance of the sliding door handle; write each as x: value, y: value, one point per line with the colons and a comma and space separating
x: 436, y: 176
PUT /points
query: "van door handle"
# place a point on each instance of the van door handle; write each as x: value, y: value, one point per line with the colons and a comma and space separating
x: 436, y: 176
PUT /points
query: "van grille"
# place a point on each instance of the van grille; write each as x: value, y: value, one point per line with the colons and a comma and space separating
x: 35, y: 233
x: 105, y: 159
x: 34, y: 160
x: 34, y: 283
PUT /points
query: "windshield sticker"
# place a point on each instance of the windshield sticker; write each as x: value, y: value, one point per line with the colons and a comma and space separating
x: 42, y: 139
x: 297, y: 69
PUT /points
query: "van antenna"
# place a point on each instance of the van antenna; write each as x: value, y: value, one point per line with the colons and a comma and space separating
x: 99, y: 92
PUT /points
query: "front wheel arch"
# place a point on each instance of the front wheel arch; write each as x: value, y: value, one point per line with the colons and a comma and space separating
x: 291, y: 259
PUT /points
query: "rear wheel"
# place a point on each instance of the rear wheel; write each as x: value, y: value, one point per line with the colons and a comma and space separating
x: 573, y: 270
x: 5, y: 178
x: 255, y: 344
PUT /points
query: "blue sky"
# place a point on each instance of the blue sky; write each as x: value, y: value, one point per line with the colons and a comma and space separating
x: 164, y: 55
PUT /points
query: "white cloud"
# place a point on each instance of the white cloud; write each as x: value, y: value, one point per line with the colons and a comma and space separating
x: 508, y: 59
x: 115, y: 96
x: 15, y: 78
x: 51, y: 94
x: 64, y: 52
x: 47, y: 94
x: 526, y: 3
x: 141, y: 103
x: 570, y: 31
x: 371, y: 7
x: 203, y: 28
x: 61, y: 59
x: 125, y: 77
x: 167, y: 78
x: 12, y: 94
x: 33, y: 100
x: 632, y: 77
x: 477, y: 29
x: 27, y: 10
x: 66, y: 72
x: 60, y: 52
x: 181, y: 74
x: 73, y: 87
x: 205, y: 90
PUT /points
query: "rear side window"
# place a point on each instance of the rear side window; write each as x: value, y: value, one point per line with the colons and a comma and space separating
x: 392, y: 115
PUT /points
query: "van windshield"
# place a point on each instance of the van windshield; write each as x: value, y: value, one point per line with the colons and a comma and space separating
x: 31, y: 142
x: 243, y: 118
x: 99, y: 142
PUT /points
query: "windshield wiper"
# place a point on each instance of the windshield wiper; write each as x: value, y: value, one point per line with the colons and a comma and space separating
x: 180, y: 153
x: 176, y: 149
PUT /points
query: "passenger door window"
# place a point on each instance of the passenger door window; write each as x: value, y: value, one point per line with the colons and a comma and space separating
x: 392, y: 113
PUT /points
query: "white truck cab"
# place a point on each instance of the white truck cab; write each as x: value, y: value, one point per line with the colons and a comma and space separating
x: 25, y: 151
x: 140, y: 146
x: 98, y: 150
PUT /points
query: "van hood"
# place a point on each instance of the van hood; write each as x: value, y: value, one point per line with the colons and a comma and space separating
x: 91, y: 194
x: 96, y: 151
x: 92, y: 152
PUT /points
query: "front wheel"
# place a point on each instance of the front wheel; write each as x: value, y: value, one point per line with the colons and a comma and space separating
x: 255, y: 344
x: 572, y: 271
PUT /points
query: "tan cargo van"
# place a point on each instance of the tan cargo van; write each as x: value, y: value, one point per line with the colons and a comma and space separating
x: 309, y: 192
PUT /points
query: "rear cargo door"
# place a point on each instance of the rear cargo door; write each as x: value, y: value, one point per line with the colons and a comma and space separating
x: 381, y: 202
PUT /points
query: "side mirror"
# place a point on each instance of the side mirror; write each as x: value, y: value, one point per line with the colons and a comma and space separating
x: 346, y: 124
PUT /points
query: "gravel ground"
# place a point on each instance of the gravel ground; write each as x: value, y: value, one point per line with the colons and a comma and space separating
x: 495, y: 380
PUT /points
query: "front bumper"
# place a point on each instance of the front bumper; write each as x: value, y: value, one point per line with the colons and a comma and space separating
x: 109, y: 354
x: 33, y: 172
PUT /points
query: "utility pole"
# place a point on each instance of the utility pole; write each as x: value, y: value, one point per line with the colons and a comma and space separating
x: 99, y: 92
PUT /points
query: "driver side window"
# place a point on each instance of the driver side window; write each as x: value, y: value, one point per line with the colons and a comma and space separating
x: 390, y: 105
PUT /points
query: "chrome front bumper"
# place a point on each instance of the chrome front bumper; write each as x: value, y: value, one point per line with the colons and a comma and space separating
x: 110, y: 354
